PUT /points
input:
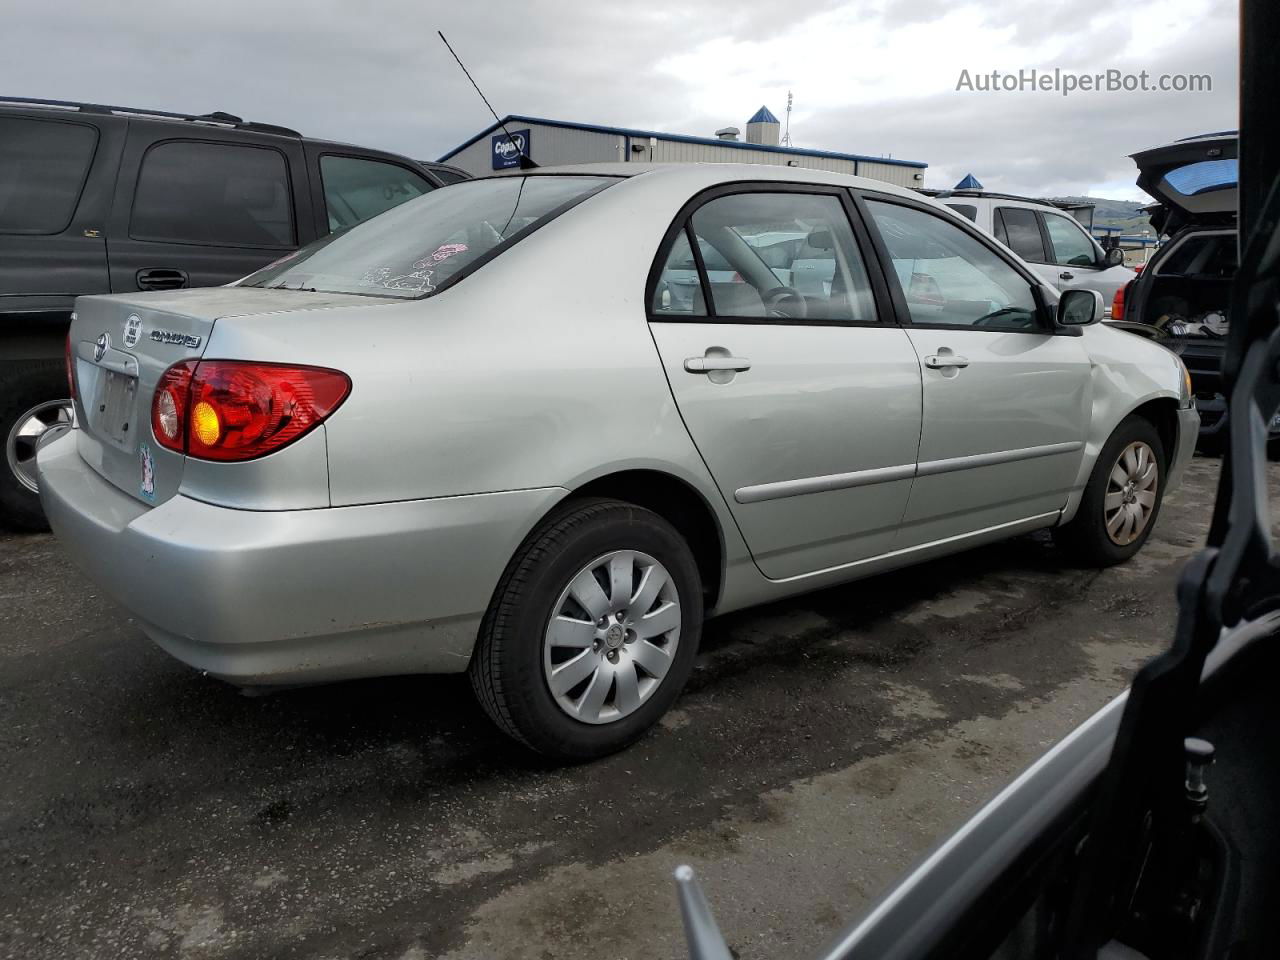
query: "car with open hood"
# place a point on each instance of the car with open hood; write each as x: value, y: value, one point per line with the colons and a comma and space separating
x: 481, y: 432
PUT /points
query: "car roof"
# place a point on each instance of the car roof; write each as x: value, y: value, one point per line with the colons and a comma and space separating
x: 701, y: 175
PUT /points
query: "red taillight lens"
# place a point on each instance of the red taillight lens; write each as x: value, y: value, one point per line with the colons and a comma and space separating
x: 233, y: 410
x: 1117, y: 305
x: 71, y: 369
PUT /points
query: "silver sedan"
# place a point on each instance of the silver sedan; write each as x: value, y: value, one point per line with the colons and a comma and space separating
x: 519, y: 428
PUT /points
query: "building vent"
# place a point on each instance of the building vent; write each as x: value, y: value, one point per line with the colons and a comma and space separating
x: 728, y: 133
x: 763, y: 128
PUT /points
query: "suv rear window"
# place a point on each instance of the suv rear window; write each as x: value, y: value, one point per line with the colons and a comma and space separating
x: 419, y: 247
x: 192, y: 191
x: 43, y: 165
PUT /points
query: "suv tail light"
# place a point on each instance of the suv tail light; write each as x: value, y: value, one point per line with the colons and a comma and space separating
x: 1117, y: 303
x: 234, y: 410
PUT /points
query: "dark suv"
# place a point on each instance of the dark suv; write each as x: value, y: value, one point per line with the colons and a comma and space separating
x: 1182, y: 298
x: 100, y: 199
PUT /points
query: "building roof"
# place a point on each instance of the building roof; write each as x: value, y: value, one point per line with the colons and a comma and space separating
x: 763, y: 116
x: 970, y: 182
x: 516, y: 118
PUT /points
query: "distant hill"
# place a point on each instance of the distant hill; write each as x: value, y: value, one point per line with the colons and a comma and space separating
x: 1125, y: 214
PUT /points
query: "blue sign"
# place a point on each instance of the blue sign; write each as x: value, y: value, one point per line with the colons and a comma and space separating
x: 506, y: 150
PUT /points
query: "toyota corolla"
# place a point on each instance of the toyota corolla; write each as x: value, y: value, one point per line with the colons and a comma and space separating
x: 536, y: 428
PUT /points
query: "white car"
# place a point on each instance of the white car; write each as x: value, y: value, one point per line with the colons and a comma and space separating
x: 1052, y: 241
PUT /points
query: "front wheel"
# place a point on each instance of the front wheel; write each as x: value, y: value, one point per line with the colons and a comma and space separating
x: 592, y: 632
x: 1122, y: 498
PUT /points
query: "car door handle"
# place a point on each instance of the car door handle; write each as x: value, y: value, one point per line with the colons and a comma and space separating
x: 161, y: 278
x: 936, y: 362
x: 709, y: 364
x: 1066, y: 276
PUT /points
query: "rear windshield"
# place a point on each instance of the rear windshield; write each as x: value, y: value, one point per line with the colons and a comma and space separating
x: 417, y: 248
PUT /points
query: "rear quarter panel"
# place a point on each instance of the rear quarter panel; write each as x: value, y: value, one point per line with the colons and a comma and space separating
x: 536, y: 371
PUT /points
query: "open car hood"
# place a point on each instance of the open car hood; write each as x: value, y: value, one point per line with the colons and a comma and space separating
x: 1196, y: 180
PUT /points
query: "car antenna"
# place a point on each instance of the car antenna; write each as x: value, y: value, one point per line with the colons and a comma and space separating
x: 526, y: 162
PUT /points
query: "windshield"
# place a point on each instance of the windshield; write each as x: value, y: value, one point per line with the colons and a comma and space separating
x: 417, y: 248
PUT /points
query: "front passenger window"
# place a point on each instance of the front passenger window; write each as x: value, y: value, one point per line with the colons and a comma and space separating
x: 950, y: 278
x: 1071, y: 248
x: 356, y: 189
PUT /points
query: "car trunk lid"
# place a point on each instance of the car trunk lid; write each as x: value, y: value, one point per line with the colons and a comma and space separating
x: 121, y: 345
x: 1195, y: 179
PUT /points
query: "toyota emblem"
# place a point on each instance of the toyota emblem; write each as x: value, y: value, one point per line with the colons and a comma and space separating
x: 100, y: 348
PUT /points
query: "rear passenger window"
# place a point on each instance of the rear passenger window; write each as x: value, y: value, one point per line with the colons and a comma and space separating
x: 356, y: 189
x: 1021, y: 233
x: 43, y: 165
x: 776, y: 256
x: 213, y: 193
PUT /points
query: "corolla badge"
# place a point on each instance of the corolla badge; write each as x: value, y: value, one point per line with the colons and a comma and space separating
x: 100, y: 347
x: 132, y: 329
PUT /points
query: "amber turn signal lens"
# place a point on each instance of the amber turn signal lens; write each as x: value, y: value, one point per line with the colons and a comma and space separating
x: 204, y: 423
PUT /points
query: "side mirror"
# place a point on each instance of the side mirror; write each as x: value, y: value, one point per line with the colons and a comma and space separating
x: 1114, y: 257
x: 1079, y: 307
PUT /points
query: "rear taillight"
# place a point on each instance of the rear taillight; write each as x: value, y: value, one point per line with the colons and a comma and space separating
x: 234, y: 410
x: 1117, y: 302
x: 71, y: 369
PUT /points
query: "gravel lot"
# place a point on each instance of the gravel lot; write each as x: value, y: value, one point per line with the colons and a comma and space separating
x: 823, y: 745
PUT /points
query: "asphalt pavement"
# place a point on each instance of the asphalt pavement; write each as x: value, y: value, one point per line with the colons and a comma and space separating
x: 823, y: 745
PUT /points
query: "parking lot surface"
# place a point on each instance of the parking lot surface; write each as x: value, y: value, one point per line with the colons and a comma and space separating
x: 822, y: 746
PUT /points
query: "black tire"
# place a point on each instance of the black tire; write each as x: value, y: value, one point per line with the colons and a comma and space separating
x: 507, y: 667
x: 1085, y: 536
x: 23, y: 386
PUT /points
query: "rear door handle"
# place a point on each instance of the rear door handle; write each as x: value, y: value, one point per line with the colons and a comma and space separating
x: 1066, y: 276
x: 161, y: 278
x: 936, y: 362
x: 709, y: 364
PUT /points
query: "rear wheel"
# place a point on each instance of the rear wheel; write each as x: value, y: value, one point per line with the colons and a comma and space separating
x: 32, y: 400
x: 592, y: 631
x: 1122, y: 499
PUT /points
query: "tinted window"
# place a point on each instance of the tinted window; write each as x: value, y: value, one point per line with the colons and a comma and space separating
x: 966, y: 210
x: 43, y: 164
x: 949, y: 277
x: 356, y: 189
x: 415, y: 249
x: 220, y: 193
x: 1071, y: 247
x: 1022, y: 233
x: 786, y: 256
x: 679, y: 290
x: 1204, y: 256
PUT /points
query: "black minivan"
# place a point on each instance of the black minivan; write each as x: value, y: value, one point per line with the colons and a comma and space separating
x: 103, y: 199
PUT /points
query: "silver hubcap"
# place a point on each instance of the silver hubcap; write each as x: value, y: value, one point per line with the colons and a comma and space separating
x: 612, y: 636
x: 24, y: 437
x: 1131, y: 493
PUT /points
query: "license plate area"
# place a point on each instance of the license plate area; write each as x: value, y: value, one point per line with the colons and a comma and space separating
x: 114, y: 408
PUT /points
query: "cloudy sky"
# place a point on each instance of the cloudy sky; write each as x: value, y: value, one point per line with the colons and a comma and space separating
x: 875, y: 77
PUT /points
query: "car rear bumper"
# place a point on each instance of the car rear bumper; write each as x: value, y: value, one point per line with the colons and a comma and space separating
x: 262, y: 598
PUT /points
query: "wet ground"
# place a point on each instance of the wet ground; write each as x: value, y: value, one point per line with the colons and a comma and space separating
x: 823, y: 745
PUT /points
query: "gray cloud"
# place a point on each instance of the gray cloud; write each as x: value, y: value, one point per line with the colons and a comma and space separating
x: 375, y: 73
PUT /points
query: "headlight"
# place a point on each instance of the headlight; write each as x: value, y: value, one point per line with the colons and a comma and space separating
x: 1185, y: 394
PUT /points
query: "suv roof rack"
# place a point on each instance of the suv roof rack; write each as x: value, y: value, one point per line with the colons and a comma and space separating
x: 217, y: 118
x: 993, y: 195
